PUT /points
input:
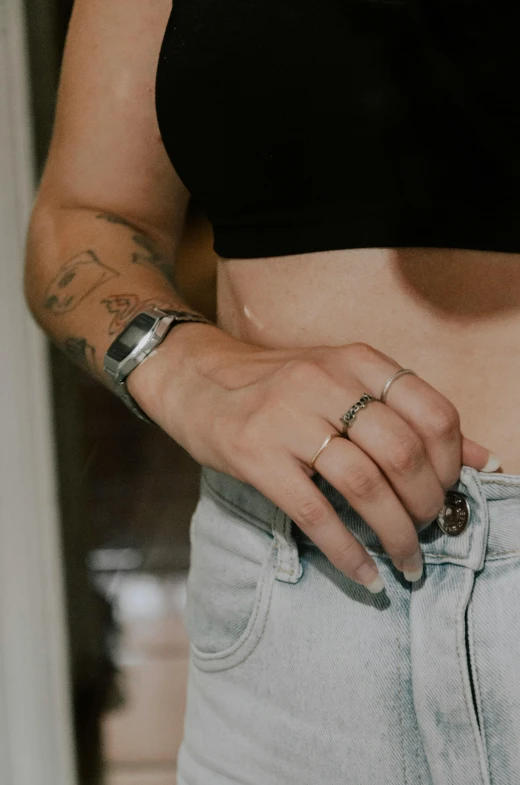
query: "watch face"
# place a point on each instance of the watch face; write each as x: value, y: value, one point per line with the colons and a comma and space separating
x: 130, y: 337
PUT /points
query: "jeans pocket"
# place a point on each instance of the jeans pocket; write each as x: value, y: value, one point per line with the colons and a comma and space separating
x: 229, y: 585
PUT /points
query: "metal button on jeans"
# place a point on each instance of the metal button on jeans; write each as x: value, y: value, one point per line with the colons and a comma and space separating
x: 453, y: 519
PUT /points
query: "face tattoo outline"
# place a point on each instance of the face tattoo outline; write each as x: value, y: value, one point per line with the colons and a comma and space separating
x: 75, y: 280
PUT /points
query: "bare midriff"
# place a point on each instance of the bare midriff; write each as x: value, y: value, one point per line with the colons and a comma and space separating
x: 453, y: 316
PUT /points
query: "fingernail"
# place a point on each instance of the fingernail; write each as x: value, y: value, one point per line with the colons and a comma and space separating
x: 413, y: 567
x: 370, y: 578
x: 376, y: 586
x: 493, y: 463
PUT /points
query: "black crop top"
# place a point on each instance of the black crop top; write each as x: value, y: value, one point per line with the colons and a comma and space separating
x: 306, y: 126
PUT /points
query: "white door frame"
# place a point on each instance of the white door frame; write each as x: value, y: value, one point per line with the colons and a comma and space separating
x: 36, y: 739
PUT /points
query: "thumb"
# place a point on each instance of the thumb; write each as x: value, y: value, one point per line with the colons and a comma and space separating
x: 478, y: 457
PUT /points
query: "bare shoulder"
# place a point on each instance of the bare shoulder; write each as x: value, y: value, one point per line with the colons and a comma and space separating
x: 106, y: 151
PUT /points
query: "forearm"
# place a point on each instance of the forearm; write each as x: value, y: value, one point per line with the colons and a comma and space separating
x: 88, y: 273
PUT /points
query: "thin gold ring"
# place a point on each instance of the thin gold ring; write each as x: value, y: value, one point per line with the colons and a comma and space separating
x: 320, y: 450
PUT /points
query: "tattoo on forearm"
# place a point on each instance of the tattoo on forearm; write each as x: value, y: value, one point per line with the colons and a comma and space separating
x: 120, y: 306
x: 80, y: 352
x: 147, y: 253
x: 111, y: 218
x: 124, y: 307
x: 75, y: 280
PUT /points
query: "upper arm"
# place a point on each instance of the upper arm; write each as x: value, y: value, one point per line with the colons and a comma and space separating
x: 106, y: 150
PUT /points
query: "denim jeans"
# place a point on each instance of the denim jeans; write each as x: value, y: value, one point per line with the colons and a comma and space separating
x: 300, y: 676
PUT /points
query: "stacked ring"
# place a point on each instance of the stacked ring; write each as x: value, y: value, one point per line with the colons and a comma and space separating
x: 348, y: 418
x: 396, y: 375
x: 350, y: 415
x: 320, y: 449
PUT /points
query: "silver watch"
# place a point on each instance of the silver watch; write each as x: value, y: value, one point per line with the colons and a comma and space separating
x: 142, y: 334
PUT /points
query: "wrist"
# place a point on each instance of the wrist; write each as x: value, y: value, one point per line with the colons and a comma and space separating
x: 180, y: 356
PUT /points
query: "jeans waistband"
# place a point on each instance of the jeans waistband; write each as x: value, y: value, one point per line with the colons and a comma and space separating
x: 493, y: 530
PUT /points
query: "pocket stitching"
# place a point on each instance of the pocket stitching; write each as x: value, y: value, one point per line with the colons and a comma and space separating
x: 228, y: 657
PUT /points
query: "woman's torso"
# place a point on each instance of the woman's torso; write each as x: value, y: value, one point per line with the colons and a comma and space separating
x: 303, y: 129
x: 453, y: 316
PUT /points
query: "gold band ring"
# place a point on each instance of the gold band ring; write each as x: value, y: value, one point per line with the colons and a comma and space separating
x: 392, y: 379
x: 320, y: 450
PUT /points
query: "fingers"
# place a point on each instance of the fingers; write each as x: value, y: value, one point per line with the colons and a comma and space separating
x: 367, y: 490
x: 362, y: 483
x: 428, y: 413
x: 386, y: 438
x: 394, y: 469
x: 400, y: 453
x: 295, y: 494
x: 435, y: 419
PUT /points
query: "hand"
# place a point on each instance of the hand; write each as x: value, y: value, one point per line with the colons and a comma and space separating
x: 260, y: 415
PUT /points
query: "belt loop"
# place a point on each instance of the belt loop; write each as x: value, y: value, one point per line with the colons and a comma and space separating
x: 470, y: 484
x: 288, y: 566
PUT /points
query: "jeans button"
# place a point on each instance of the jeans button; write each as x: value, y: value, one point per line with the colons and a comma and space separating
x: 453, y: 519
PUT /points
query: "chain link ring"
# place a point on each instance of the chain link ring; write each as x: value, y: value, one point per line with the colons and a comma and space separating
x: 349, y: 416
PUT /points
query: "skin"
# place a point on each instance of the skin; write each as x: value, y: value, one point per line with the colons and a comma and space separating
x: 453, y: 316
x: 298, y: 338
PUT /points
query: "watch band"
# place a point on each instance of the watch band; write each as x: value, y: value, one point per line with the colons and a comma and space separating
x: 116, y: 373
x: 132, y: 404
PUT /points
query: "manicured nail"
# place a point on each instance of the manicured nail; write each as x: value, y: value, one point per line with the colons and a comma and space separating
x: 376, y: 586
x: 493, y: 463
x: 413, y: 567
x: 370, y: 578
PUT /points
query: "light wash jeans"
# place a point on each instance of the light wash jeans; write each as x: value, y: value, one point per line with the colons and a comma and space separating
x: 299, y: 676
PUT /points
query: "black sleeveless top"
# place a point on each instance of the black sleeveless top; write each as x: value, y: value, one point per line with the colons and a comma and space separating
x: 309, y: 126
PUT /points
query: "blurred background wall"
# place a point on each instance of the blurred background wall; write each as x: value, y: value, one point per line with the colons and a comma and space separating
x: 35, y: 718
x: 126, y: 493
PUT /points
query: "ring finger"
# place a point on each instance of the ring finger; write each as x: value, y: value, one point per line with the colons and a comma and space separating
x: 391, y: 443
x: 401, y: 454
x: 348, y: 469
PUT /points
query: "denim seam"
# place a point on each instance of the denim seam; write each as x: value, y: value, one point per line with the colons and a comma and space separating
x: 485, y: 522
x: 260, y: 635
x: 419, y: 744
x: 210, y: 658
x: 401, y: 707
x: 476, y: 683
x: 497, y: 555
x: 494, y: 480
x: 462, y: 658
x: 287, y: 551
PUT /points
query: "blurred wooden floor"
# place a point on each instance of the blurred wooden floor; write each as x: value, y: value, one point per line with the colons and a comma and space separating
x: 141, y: 739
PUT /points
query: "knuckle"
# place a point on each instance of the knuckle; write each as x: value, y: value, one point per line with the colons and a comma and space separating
x: 430, y: 510
x: 363, y: 481
x: 407, y: 454
x: 404, y: 548
x: 451, y: 479
x: 445, y: 422
x: 302, y: 370
x: 360, y: 350
x: 436, y: 506
x: 348, y: 556
x: 311, y: 513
